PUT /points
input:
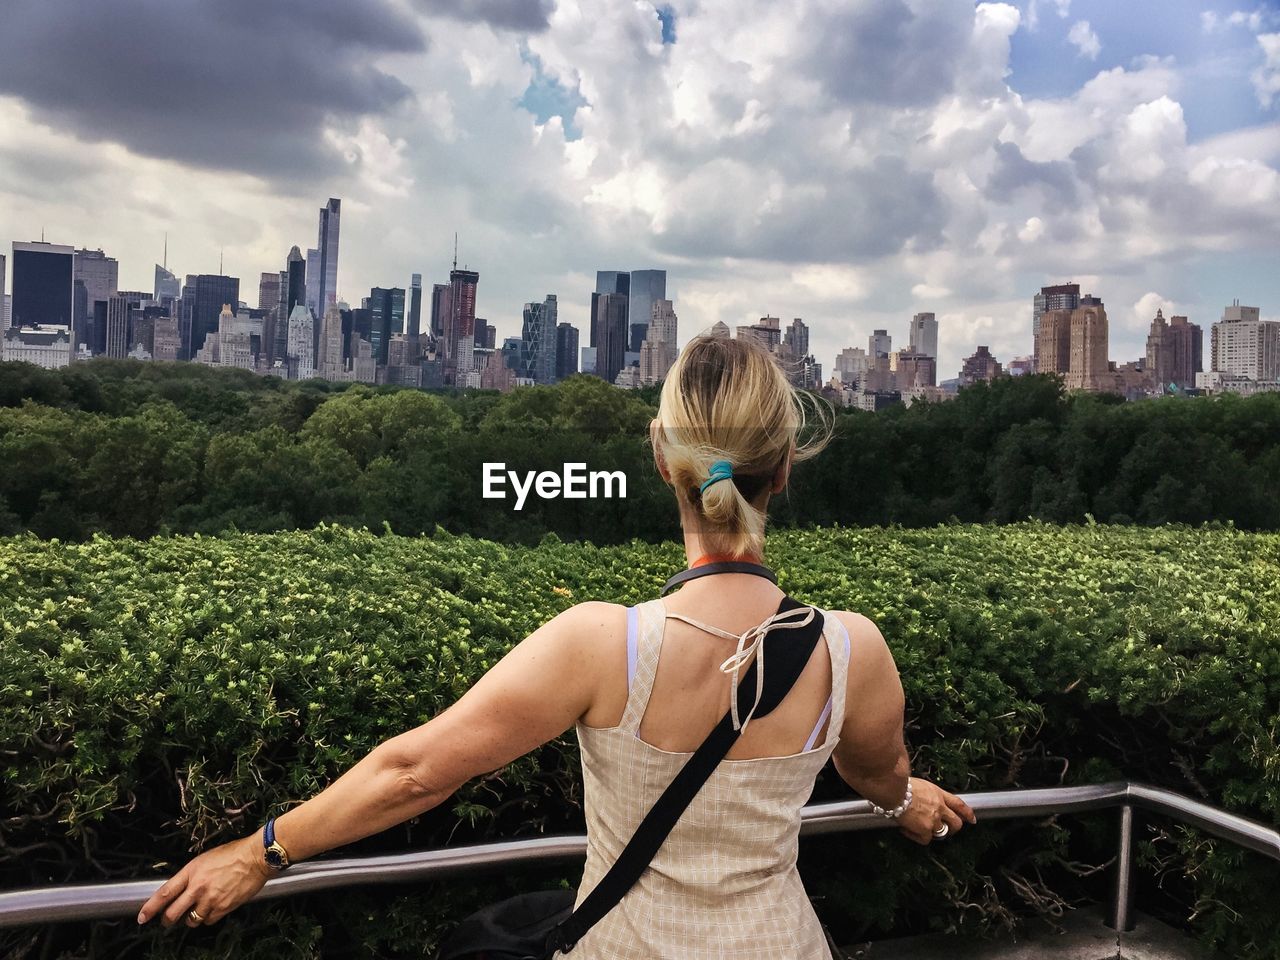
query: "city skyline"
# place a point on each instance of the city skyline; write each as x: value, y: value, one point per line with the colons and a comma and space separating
x: 1140, y: 164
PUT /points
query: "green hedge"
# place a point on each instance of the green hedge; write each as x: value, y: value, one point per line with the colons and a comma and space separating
x: 159, y: 697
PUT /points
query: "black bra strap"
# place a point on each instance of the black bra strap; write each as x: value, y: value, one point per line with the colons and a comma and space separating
x: 721, y: 566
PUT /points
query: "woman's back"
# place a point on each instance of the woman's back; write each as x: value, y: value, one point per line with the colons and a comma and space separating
x: 724, y: 883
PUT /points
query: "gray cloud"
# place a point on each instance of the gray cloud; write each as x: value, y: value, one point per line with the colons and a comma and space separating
x: 873, y: 212
x: 230, y: 84
x: 884, y: 51
x: 1014, y: 172
x: 522, y: 15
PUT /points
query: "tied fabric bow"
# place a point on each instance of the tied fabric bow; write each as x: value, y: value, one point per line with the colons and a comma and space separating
x: 751, y: 642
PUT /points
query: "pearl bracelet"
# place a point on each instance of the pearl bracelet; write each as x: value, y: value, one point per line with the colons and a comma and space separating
x: 897, y: 811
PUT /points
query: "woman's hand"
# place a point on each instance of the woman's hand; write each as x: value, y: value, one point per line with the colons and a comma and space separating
x: 213, y: 884
x: 931, y: 807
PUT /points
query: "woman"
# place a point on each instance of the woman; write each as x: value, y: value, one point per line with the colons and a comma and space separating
x: 725, y: 881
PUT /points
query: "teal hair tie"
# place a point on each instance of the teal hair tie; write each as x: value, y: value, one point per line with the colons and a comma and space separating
x: 720, y: 470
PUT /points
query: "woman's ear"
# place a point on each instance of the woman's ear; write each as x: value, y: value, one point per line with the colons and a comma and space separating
x: 783, y: 472
x: 658, y: 458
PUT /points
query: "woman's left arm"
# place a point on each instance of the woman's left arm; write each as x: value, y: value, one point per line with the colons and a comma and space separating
x: 535, y: 693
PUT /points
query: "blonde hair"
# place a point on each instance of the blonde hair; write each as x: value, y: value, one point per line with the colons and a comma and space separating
x: 730, y: 400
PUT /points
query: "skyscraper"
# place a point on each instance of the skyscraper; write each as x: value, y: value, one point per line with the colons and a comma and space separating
x: 608, y: 281
x: 566, y: 350
x: 1242, y: 343
x: 646, y: 288
x: 296, y: 293
x: 796, y: 339
x: 440, y: 310
x: 96, y: 277
x: 923, y: 335
x: 327, y: 247
x: 611, y: 334
x: 1064, y: 296
x: 658, y: 351
x: 204, y: 296
x: 1173, y: 352
x: 312, y: 273
x: 42, y: 285
x: 119, y: 314
x: 269, y: 290
x: 460, y: 323
x: 300, y: 358
x: 415, y: 308
x: 4, y: 300
x: 538, y: 341
x: 1074, y: 343
x: 879, y: 344
x: 166, y: 287
x: 386, y: 312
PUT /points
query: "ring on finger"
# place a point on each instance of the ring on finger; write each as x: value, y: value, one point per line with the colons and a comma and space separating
x: 195, y: 916
x: 942, y: 831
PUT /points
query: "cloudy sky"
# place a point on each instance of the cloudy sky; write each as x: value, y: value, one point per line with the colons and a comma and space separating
x: 845, y: 161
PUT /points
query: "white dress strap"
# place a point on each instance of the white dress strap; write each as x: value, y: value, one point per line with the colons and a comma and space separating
x: 751, y: 643
x: 839, y: 647
x: 644, y: 637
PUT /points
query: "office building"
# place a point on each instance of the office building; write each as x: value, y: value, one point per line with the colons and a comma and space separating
x: 203, y: 297
x: 269, y: 290
x: 165, y: 343
x: 386, y: 319
x: 460, y: 322
x: 166, y: 287
x: 439, y: 311
x: 913, y: 369
x: 95, y: 277
x: 299, y: 355
x: 120, y: 313
x: 608, y: 282
x: 43, y: 288
x: 330, y: 360
x: 923, y: 335
x: 538, y: 341
x: 980, y: 365
x: 720, y: 331
x: 327, y: 255
x: 1174, y: 353
x: 1063, y: 296
x: 1242, y: 344
x: 645, y: 288
x: 611, y: 334
x: 312, y: 273
x: 658, y: 351
x: 1074, y: 343
x: 767, y: 332
x: 415, y: 308
x: 879, y: 344
x: 296, y: 269
x: 566, y: 350
x: 795, y: 341
x: 4, y: 297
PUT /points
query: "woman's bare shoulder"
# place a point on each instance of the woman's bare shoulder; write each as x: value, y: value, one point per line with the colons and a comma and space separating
x: 869, y: 655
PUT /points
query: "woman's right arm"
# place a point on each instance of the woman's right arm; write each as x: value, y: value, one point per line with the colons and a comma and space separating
x: 872, y: 756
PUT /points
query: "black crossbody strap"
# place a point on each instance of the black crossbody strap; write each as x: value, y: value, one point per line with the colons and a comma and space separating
x: 788, y: 654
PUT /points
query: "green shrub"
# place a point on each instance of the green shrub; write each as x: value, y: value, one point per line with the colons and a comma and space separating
x: 159, y: 697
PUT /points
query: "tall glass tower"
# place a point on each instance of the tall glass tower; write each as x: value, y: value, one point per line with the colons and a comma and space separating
x: 327, y: 249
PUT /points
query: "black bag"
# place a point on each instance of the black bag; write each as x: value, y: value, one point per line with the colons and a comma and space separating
x: 533, y: 926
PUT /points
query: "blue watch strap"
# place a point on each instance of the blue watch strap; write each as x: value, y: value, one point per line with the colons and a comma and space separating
x: 269, y: 832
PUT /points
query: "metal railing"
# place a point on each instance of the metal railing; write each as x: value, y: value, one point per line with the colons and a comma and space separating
x: 122, y: 899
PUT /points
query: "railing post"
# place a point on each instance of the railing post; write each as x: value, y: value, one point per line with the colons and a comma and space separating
x: 1119, y: 918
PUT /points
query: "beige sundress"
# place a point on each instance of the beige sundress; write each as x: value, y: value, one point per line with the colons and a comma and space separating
x: 724, y: 885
